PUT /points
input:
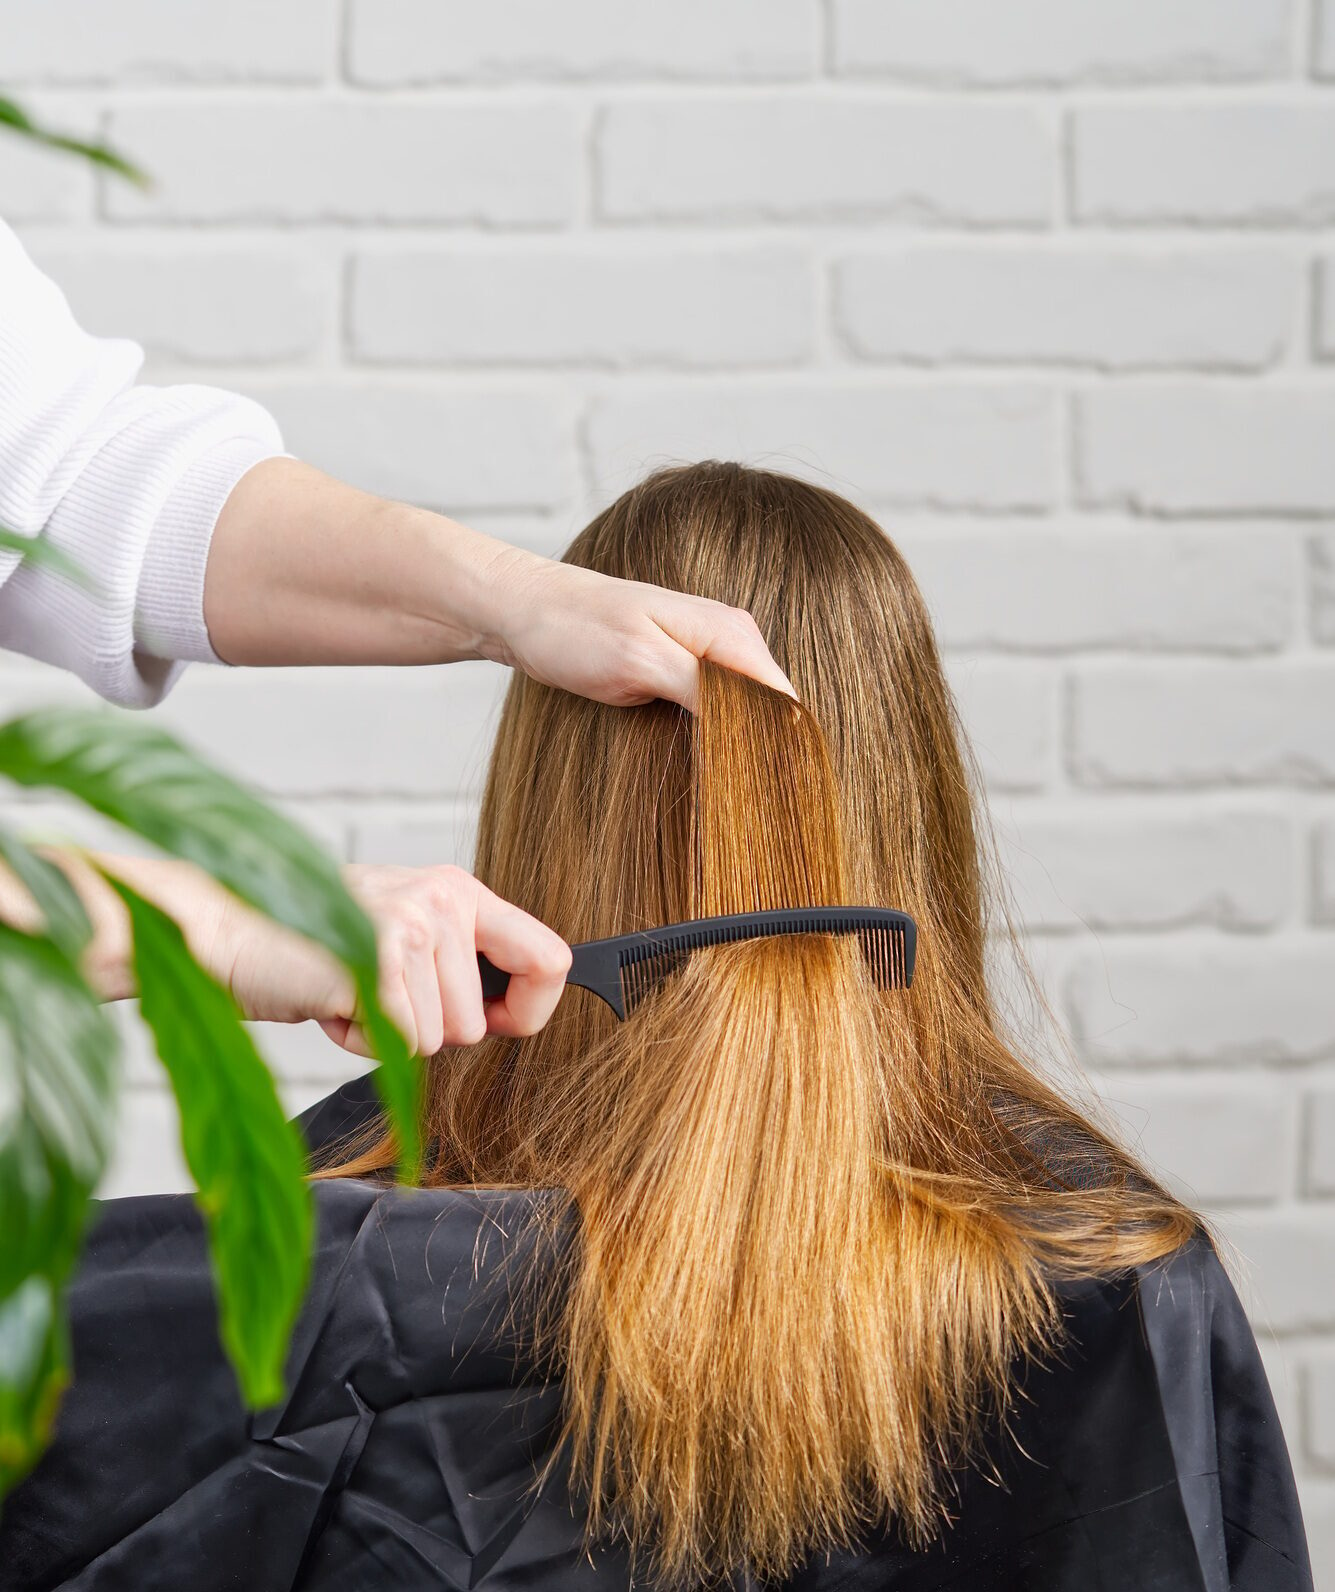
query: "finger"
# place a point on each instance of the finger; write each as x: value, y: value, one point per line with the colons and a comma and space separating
x: 422, y: 991
x: 395, y: 1001
x: 670, y: 674
x: 536, y: 959
x: 347, y: 1035
x: 459, y: 988
x: 738, y: 644
x: 695, y: 628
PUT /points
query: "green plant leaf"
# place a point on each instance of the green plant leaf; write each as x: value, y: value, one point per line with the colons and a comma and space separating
x: 98, y: 154
x: 147, y: 781
x: 34, y: 1371
x: 58, y: 1058
x: 66, y: 921
x: 248, y: 1161
x: 57, y: 1079
x: 35, y: 551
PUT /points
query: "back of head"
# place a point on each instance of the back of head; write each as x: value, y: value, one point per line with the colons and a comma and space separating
x: 818, y: 1221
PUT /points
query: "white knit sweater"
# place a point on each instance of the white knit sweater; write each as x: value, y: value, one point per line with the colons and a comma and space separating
x: 127, y: 479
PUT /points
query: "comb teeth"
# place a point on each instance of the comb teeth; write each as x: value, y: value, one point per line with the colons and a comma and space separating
x: 644, y: 967
x: 884, y: 950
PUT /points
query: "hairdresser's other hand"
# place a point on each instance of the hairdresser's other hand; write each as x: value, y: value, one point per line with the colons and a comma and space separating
x: 617, y: 641
x: 430, y: 924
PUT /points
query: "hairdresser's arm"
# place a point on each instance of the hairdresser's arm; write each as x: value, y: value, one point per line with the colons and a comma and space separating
x: 303, y: 569
x: 430, y: 923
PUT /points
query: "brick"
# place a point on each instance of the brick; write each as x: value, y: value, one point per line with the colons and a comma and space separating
x: 307, y: 1064
x: 1063, y: 41
x: 454, y: 450
x: 1039, y: 587
x: 38, y: 184
x: 1319, y: 1125
x: 227, y: 306
x: 1321, y: 1410
x: 1288, y: 1273
x: 1040, y: 970
x: 140, y: 1066
x: 296, y: 1097
x: 428, y: 41
x: 1149, y: 865
x: 1257, y: 163
x: 1113, y: 309
x: 1317, y: 1501
x: 1221, y: 1141
x: 307, y: 159
x: 602, y: 306
x: 326, y: 823
x: 414, y: 840
x: 403, y: 732
x: 147, y: 1157
x: 1325, y: 308
x: 25, y: 683
x: 1323, y: 587
x: 1201, y: 724
x: 1283, y: 1373
x: 163, y: 41
x: 55, y: 821
x: 1323, y: 847
x: 1198, y: 1000
x: 947, y: 445
x: 790, y: 157
x: 1218, y: 449
x: 1009, y: 715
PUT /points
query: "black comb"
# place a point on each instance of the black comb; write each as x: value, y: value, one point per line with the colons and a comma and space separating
x: 624, y: 969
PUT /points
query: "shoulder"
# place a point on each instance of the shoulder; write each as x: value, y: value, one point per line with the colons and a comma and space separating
x: 352, y: 1108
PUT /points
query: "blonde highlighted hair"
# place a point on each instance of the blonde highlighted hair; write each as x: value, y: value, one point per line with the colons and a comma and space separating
x: 818, y: 1224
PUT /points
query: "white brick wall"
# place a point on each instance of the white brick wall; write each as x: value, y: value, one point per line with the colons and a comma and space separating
x: 434, y: 442
x: 1220, y: 448
x: 1249, y: 162
x: 946, y: 445
x: 976, y: 42
x: 1108, y: 308
x: 842, y: 153
x: 1049, y: 286
x: 191, y: 305
x: 160, y: 41
x: 289, y: 160
x: 395, y: 42
x: 1201, y: 724
x: 554, y: 304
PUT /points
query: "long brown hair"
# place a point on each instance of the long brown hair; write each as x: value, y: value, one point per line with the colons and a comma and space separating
x: 819, y: 1224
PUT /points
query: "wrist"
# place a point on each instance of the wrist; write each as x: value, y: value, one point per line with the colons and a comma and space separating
x: 187, y: 895
x: 480, y: 590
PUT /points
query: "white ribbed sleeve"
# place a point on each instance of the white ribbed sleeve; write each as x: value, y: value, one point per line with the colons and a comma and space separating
x: 127, y: 480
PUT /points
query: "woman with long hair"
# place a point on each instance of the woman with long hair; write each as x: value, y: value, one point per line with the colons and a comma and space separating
x: 804, y: 1277
x: 818, y: 1223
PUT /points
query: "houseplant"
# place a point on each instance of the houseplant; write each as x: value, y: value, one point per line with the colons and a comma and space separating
x: 59, y: 1053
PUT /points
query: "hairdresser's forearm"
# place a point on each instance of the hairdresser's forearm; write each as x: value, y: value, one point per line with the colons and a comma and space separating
x: 183, y: 892
x: 304, y: 569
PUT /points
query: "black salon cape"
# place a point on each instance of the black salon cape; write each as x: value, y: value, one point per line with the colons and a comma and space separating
x: 1148, y: 1458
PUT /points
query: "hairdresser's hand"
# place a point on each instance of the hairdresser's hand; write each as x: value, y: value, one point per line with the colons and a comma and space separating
x: 617, y: 641
x: 430, y: 924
